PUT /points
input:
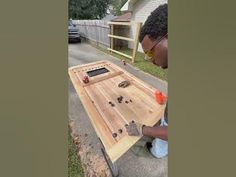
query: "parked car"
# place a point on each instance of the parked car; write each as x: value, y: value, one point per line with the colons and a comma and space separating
x: 73, y: 32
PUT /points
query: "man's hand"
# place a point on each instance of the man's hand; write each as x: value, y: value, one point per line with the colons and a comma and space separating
x: 134, y: 129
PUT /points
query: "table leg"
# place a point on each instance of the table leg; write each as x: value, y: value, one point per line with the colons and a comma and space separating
x: 112, y: 166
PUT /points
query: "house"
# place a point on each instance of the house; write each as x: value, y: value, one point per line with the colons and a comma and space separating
x: 140, y: 10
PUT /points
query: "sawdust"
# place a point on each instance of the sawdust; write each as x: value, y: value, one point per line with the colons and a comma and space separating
x: 93, y: 164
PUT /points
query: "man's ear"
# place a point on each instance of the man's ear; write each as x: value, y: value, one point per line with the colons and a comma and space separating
x: 146, y: 43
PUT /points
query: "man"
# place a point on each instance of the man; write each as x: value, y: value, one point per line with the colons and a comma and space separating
x: 153, y: 38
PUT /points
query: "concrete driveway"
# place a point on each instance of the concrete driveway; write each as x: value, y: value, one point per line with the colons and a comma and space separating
x: 132, y: 163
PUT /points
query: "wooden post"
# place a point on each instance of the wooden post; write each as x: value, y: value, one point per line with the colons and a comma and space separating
x: 96, y: 33
x: 112, y: 39
x: 135, y: 47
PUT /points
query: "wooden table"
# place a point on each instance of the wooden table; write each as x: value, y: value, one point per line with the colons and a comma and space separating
x: 107, y: 115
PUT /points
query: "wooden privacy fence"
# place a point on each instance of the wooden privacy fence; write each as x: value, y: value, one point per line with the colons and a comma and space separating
x: 135, y: 39
x: 94, y: 30
x: 102, y: 33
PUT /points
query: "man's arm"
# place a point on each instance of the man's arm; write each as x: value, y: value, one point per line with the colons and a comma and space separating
x: 156, y: 132
x: 136, y: 129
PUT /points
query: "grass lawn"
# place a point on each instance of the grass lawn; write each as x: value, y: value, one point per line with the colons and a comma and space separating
x: 74, y: 166
x: 140, y: 63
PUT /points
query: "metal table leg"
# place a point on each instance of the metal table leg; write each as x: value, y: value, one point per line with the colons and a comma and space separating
x: 112, y: 166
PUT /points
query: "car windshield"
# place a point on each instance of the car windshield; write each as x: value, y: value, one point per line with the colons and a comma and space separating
x: 70, y: 23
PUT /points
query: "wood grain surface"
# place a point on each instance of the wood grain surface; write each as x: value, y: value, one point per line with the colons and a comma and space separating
x: 109, y: 116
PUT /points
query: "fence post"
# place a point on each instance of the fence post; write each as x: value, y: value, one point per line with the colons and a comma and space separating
x: 138, y: 27
x: 96, y: 32
x: 112, y: 39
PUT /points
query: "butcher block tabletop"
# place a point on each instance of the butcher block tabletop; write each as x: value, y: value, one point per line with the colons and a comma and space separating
x: 111, y: 107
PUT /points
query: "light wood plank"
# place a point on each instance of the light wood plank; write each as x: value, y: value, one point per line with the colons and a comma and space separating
x: 143, y: 105
x: 112, y: 39
x: 128, y: 141
x: 121, y: 37
x: 120, y: 23
x: 120, y: 53
x: 101, y: 104
x: 103, y: 78
x: 101, y: 128
x: 136, y: 41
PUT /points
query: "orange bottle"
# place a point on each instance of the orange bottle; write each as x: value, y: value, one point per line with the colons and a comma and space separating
x: 160, y: 97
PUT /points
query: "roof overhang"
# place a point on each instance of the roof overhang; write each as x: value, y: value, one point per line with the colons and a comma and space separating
x: 128, y: 6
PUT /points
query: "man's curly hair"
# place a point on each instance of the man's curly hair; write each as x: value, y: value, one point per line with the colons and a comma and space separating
x: 156, y: 24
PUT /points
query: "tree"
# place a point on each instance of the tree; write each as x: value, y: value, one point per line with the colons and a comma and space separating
x: 88, y: 9
x: 116, y: 6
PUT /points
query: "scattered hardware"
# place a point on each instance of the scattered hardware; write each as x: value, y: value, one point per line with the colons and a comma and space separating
x: 126, y: 125
x: 119, y: 99
x: 124, y: 84
x: 112, y: 104
x: 114, y: 135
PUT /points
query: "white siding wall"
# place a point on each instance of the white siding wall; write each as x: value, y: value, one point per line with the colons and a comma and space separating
x: 140, y: 11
